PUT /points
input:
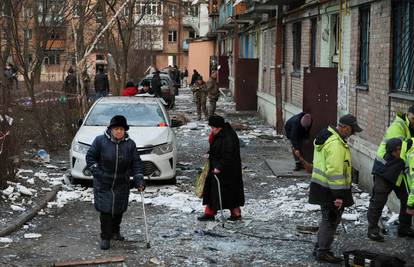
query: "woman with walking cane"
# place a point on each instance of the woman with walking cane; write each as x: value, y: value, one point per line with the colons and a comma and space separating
x: 112, y: 159
x: 225, y: 163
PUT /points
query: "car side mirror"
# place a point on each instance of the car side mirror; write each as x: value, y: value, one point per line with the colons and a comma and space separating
x: 175, y: 123
x: 80, y: 122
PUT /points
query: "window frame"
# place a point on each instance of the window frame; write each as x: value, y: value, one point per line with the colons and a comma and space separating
x: 173, y: 35
x: 364, y: 34
x: 297, y: 46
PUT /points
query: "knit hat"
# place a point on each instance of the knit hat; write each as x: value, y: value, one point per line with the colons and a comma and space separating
x: 119, y: 121
x: 216, y: 121
x: 146, y: 83
x: 306, y: 120
x: 392, y: 144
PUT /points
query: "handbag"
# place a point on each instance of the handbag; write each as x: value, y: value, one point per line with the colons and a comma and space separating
x: 201, y: 180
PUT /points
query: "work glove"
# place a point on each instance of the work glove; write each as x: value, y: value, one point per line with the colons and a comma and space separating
x: 139, y: 182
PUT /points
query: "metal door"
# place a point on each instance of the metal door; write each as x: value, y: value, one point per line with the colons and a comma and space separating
x: 247, y: 75
x: 223, y: 73
x: 320, y: 96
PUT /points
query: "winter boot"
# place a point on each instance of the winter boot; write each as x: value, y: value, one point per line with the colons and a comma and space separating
x: 376, y: 236
x: 118, y: 237
x: 105, y: 244
x: 328, y: 257
x: 406, y: 232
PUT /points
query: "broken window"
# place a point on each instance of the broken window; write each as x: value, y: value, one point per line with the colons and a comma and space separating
x: 403, y: 42
x: 297, y: 35
x: 363, y: 45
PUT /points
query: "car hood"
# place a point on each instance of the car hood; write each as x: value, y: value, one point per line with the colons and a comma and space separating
x: 143, y: 136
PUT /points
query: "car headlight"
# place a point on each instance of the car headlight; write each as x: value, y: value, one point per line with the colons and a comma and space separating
x: 163, y: 149
x: 80, y: 148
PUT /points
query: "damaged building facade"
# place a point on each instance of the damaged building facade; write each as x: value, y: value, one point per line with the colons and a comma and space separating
x: 325, y: 57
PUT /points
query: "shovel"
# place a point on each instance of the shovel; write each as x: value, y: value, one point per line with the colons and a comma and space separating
x: 221, y: 205
x: 145, y: 220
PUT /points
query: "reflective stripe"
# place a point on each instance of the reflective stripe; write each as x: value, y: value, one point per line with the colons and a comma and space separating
x: 330, y: 186
x: 333, y: 177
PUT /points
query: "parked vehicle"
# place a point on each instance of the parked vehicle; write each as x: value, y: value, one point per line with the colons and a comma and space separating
x: 150, y: 128
x: 167, y: 88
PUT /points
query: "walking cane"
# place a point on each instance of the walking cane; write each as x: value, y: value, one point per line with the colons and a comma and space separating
x: 221, y: 205
x: 145, y: 220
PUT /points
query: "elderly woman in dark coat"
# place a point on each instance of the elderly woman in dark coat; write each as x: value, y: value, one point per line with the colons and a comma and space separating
x: 225, y: 162
x: 112, y: 159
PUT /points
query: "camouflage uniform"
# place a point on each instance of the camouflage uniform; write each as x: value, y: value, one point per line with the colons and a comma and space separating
x: 200, y: 97
x: 213, y: 94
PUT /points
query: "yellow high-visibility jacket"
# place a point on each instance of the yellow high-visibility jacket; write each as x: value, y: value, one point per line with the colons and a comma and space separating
x: 332, y: 169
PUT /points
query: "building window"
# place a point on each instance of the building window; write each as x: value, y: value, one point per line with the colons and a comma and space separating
x: 172, y: 36
x: 173, y: 10
x: 52, y: 59
x: 54, y: 35
x: 314, y: 29
x: 403, y: 43
x: 28, y: 12
x: 192, y: 34
x: 335, y: 37
x: 297, y: 35
x: 28, y: 34
x: 363, y: 45
x: 190, y: 9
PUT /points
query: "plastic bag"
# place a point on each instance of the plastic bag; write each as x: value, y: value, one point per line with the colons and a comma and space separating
x: 201, y: 179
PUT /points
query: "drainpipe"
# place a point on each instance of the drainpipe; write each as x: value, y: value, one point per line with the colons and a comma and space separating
x: 278, y: 71
x: 235, y: 59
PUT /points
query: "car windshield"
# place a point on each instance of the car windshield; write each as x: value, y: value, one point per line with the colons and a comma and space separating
x: 137, y: 114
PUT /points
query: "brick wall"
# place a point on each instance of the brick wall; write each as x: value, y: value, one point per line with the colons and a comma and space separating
x: 294, y: 85
x: 371, y: 106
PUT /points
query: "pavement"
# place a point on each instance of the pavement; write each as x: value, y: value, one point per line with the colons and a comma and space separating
x: 276, y: 204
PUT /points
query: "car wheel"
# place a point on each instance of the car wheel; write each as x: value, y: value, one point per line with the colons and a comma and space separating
x: 172, y: 181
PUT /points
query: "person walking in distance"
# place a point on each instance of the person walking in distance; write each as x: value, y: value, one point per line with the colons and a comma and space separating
x: 101, y: 83
x: 112, y: 159
x: 200, y: 97
x: 331, y: 182
x: 213, y: 93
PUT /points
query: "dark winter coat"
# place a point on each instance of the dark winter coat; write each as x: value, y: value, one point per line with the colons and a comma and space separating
x: 101, y: 82
x: 156, y: 85
x: 393, y: 167
x: 112, y: 163
x: 69, y: 86
x: 295, y: 132
x: 224, y: 155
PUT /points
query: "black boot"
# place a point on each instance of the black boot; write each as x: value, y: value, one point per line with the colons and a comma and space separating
x: 105, y: 244
x: 328, y: 257
x: 375, y: 235
x: 406, y: 232
x: 118, y: 237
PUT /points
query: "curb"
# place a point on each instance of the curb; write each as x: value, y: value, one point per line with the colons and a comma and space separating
x: 26, y: 216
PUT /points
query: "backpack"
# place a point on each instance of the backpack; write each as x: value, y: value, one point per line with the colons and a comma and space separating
x: 363, y: 258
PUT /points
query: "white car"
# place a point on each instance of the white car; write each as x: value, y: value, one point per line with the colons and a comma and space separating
x: 149, y: 126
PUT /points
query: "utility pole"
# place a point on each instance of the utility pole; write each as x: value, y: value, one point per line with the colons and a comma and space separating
x: 180, y: 18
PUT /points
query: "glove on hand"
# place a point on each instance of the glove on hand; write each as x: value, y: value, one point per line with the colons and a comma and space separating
x: 139, y: 182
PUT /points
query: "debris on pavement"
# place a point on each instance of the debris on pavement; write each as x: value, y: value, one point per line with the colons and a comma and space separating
x: 95, y: 261
x: 32, y: 235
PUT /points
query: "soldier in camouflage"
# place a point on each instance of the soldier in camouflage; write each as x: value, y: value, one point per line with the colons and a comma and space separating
x: 212, y: 93
x: 200, y: 97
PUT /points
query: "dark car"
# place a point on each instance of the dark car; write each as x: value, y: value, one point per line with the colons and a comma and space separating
x: 167, y: 88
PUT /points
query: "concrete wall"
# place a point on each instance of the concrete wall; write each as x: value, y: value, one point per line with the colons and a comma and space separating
x: 199, y: 54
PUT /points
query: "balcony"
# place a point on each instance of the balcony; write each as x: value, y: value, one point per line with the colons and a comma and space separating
x: 225, y: 14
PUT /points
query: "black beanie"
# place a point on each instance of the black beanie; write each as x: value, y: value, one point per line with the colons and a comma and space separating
x: 216, y: 121
x: 119, y: 121
x: 392, y: 144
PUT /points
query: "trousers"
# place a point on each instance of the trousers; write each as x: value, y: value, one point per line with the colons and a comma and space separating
x: 110, y: 224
